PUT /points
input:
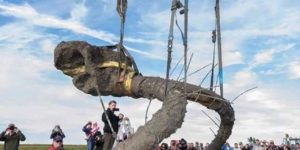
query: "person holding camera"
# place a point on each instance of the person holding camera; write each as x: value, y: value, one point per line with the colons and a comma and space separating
x: 57, y: 131
x: 109, y: 116
x: 12, y: 137
x: 87, y: 129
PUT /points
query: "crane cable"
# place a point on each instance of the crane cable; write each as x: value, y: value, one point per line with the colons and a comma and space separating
x: 123, y: 52
x: 121, y: 9
x: 213, y: 63
x: 170, y: 43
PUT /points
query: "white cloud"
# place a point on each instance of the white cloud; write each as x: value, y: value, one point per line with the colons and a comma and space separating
x: 78, y: 12
x: 17, y: 36
x: 241, y: 81
x: 18, y: 68
x: 232, y: 57
x: 267, y: 55
x: 294, y: 69
x: 264, y: 57
x: 47, y: 46
x: 29, y: 14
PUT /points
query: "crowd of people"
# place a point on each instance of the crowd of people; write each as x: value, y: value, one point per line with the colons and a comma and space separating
x: 117, y: 128
x: 182, y: 144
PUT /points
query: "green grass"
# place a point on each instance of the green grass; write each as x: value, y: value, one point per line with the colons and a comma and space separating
x: 45, y: 147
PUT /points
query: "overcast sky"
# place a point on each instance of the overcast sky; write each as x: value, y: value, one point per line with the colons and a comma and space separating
x: 260, y: 42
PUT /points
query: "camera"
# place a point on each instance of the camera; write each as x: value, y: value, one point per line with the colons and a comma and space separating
x: 116, y: 109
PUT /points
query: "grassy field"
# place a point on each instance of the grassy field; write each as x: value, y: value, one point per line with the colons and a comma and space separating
x: 45, y: 147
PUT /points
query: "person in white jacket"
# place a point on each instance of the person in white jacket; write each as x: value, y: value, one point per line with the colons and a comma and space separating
x: 125, y: 129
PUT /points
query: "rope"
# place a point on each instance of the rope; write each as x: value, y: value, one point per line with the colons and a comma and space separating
x: 213, y: 131
x: 242, y: 94
x: 206, y: 75
x: 103, y: 107
x: 210, y: 118
x: 146, y: 115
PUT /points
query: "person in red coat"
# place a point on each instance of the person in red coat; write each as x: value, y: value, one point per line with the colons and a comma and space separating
x: 57, y: 143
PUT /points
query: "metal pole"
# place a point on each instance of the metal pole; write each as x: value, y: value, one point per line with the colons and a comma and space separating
x: 186, y: 12
x: 217, y: 9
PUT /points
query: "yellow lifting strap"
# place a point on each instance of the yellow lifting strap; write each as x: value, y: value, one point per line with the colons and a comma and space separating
x: 108, y: 64
x: 128, y: 83
x: 115, y: 64
x: 74, y: 71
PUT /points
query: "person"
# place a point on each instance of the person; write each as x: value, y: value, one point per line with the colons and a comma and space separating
x: 226, y: 146
x: 293, y: 147
x: 94, y: 130
x: 57, y: 143
x: 247, y: 147
x: 87, y: 129
x: 173, y: 144
x: 110, y: 134
x: 272, y: 146
x: 191, y: 146
x: 236, y: 146
x: 98, y: 140
x: 57, y: 131
x: 242, y: 146
x: 182, y: 144
x: 286, y: 140
x: 206, y: 146
x: 125, y: 129
x: 164, y: 146
x: 197, y: 146
x: 285, y: 147
x: 12, y: 137
x: 201, y: 146
x: 257, y: 145
x: 298, y: 146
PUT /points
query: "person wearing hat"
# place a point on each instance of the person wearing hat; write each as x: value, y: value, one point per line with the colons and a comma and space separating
x: 57, y: 131
x: 57, y: 143
x: 12, y: 137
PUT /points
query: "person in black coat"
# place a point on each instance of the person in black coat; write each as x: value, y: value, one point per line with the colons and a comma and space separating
x: 109, y: 135
x: 12, y: 137
x: 98, y: 141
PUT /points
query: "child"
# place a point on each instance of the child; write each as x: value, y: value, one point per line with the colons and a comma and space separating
x: 93, y: 131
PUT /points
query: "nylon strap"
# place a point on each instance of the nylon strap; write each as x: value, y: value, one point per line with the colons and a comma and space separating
x: 127, y: 84
x: 108, y: 64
